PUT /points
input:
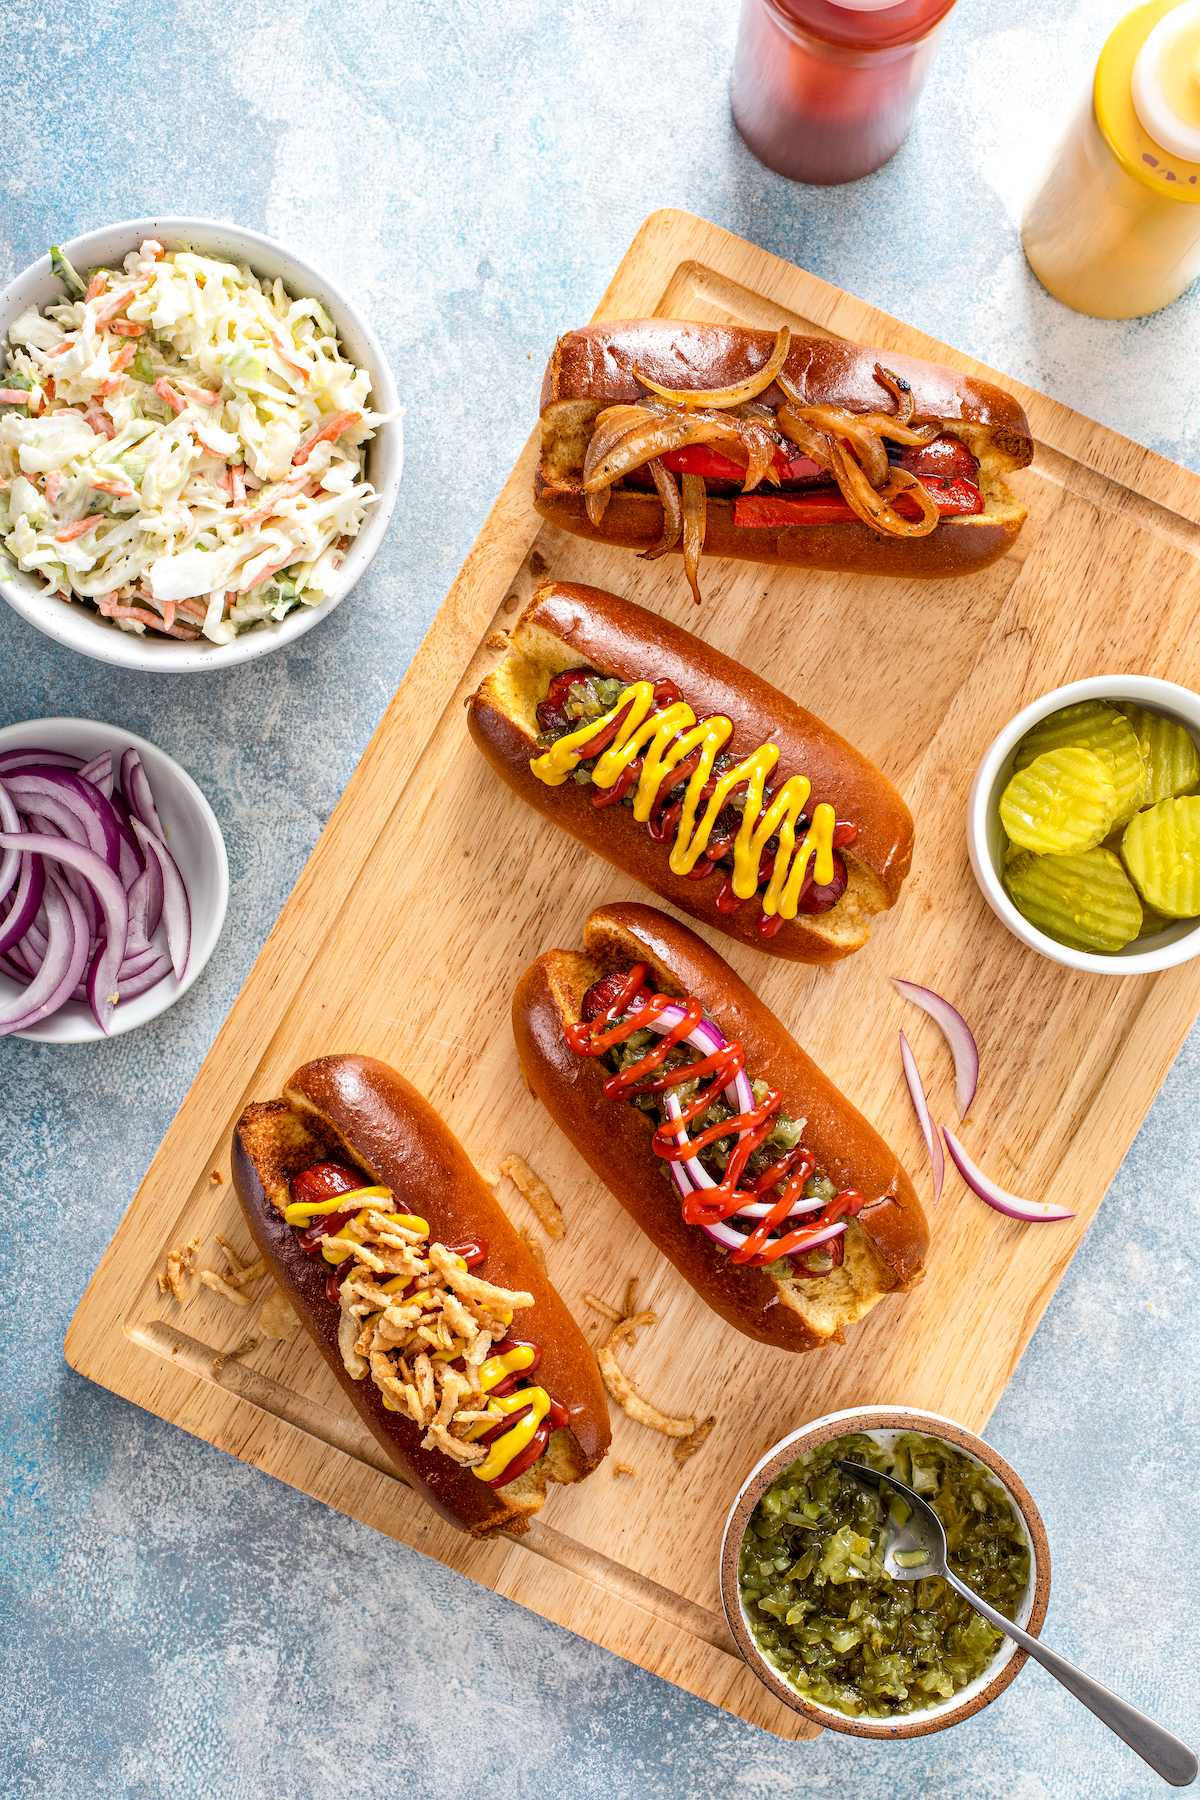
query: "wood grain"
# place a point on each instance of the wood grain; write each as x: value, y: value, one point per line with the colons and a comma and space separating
x: 431, y: 884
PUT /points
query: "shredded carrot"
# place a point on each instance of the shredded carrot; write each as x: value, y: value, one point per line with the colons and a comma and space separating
x: 99, y: 421
x: 165, y: 391
x: 127, y: 328
x: 14, y: 397
x: 122, y: 359
x: 96, y: 285
x: 121, y: 488
x: 145, y: 618
x: 78, y: 528
x: 202, y: 396
x: 330, y: 428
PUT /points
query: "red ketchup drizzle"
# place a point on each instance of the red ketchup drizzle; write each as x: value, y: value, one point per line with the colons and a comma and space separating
x: 324, y: 1181
x: 617, y: 995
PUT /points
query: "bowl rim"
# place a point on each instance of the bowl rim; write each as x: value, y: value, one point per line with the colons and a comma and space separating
x: 168, y: 991
x: 1156, y: 695
x: 67, y: 624
x: 809, y: 1437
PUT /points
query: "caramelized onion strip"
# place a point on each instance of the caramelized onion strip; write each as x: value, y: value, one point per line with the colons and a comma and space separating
x: 727, y: 396
x: 874, y: 508
x: 668, y: 493
x: 654, y: 436
x: 695, y: 518
x: 597, y: 504
x: 760, y: 445
x: 900, y: 391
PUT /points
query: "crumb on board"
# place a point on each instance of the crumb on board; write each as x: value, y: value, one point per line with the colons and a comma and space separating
x: 497, y: 640
x: 216, y: 1178
x: 534, y: 1190
x: 620, y: 1468
x: 180, y: 1262
x: 220, y: 1362
x: 487, y: 1176
x: 219, y: 1285
x: 688, y: 1446
x: 534, y: 1246
x: 278, y: 1317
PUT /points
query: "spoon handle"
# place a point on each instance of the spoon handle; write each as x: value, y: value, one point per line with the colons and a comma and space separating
x: 1167, y: 1755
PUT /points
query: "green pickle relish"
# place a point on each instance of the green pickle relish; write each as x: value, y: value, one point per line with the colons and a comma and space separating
x: 828, y: 1619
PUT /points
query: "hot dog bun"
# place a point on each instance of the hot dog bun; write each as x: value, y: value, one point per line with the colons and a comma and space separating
x: 592, y: 369
x: 360, y: 1111
x: 884, y: 1246
x: 566, y: 626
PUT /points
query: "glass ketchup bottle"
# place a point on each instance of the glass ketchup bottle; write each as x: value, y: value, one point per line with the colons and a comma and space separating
x: 824, y: 92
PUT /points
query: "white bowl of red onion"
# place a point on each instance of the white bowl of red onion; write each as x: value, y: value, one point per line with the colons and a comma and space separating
x: 109, y: 927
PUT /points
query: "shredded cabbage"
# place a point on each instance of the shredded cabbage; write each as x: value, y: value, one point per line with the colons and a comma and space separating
x: 181, y: 446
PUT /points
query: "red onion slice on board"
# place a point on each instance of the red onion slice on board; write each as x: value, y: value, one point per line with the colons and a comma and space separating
x: 176, y: 912
x: 933, y: 1141
x: 102, y: 976
x: 1011, y: 1205
x: 958, y: 1035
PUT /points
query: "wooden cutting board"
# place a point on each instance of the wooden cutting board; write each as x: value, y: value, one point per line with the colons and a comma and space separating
x: 432, y: 888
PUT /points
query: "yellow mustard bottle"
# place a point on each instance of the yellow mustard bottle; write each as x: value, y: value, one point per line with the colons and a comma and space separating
x: 1114, y: 229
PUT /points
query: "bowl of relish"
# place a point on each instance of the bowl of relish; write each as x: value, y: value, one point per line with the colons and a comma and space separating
x: 821, y: 1624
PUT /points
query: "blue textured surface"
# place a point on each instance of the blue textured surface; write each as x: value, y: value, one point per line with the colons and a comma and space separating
x: 174, y: 1622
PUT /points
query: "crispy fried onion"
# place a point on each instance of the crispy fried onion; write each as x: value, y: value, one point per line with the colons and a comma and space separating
x: 623, y: 1390
x: 668, y: 493
x: 695, y: 519
x: 726, y: 396
x: 406, y: 1337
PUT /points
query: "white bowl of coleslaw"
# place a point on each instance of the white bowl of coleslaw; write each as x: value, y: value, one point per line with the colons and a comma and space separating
x: 205, y: 464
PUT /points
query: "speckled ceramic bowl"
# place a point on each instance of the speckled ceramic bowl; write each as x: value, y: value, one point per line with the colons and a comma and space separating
x: 878, y: 1421
x: 78, y: 626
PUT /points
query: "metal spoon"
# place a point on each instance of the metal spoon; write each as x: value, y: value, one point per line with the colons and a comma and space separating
x: 917, y: 1547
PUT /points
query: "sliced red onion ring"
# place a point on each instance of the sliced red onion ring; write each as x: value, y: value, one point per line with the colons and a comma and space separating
x: 706, y: 1038
x: 958, y: 1036
x: 177, y: 914
x: 62, y: 965
x: 57, y: 793
x: 100, y: 773
x: 26, y: 902
x: 136, y: 789
x: 933, y: 1142
x: 10, y: 862
x: 150, y: 976
x: 102, y: 976
x: 146, y: 901
x: 699, y: 1177
x: 1011, y: 1205
x: 43, y: 759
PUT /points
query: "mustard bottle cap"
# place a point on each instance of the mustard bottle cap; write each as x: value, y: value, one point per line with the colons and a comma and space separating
x: 1166, y: 82
x: 1147, y: 91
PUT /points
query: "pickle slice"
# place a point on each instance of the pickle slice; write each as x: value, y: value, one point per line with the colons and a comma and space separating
x: 1094, y: 725
x: 1152, y: 922
x: 1172, y: 760
x: 1065, y: 800
x: 1161, y: 848
x: 1086, y: 901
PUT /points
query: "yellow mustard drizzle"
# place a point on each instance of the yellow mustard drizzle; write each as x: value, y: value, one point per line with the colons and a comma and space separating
x: 664, y: 738
x: 333, y: 1251
x: 511, y: 1443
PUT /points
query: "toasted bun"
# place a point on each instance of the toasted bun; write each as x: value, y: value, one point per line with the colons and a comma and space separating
x: 593, y: 368
x: 885, y: 1246
x: 355, y: 1109
x: 565, y: 626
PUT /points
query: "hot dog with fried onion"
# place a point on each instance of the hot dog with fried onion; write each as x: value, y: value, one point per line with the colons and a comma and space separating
x: 449, y: 1340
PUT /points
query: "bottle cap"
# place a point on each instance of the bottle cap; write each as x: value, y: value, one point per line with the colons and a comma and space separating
x: 1141, y: 152
x: 1166, y: 82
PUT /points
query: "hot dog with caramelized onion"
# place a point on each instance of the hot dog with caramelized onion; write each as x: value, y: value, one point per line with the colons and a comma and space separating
x: 693, y: 775
x: 662, y: 435
x: 449, y: 1340
x: 737, y: 1157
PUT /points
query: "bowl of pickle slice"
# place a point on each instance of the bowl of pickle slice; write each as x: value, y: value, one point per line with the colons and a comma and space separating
x: 1084, y: 825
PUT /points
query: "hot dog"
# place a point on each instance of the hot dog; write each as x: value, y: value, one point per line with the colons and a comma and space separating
x: 787, y: 450
x: 833, y: 1224
x: 784, y: 836
x: 446, y: 1336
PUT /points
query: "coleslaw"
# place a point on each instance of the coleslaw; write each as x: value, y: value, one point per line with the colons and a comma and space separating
x: 181, y: 445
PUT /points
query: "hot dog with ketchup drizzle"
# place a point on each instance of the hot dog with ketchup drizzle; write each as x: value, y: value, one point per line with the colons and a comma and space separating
x: 727, y: 1145
x: 633, y: 1008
